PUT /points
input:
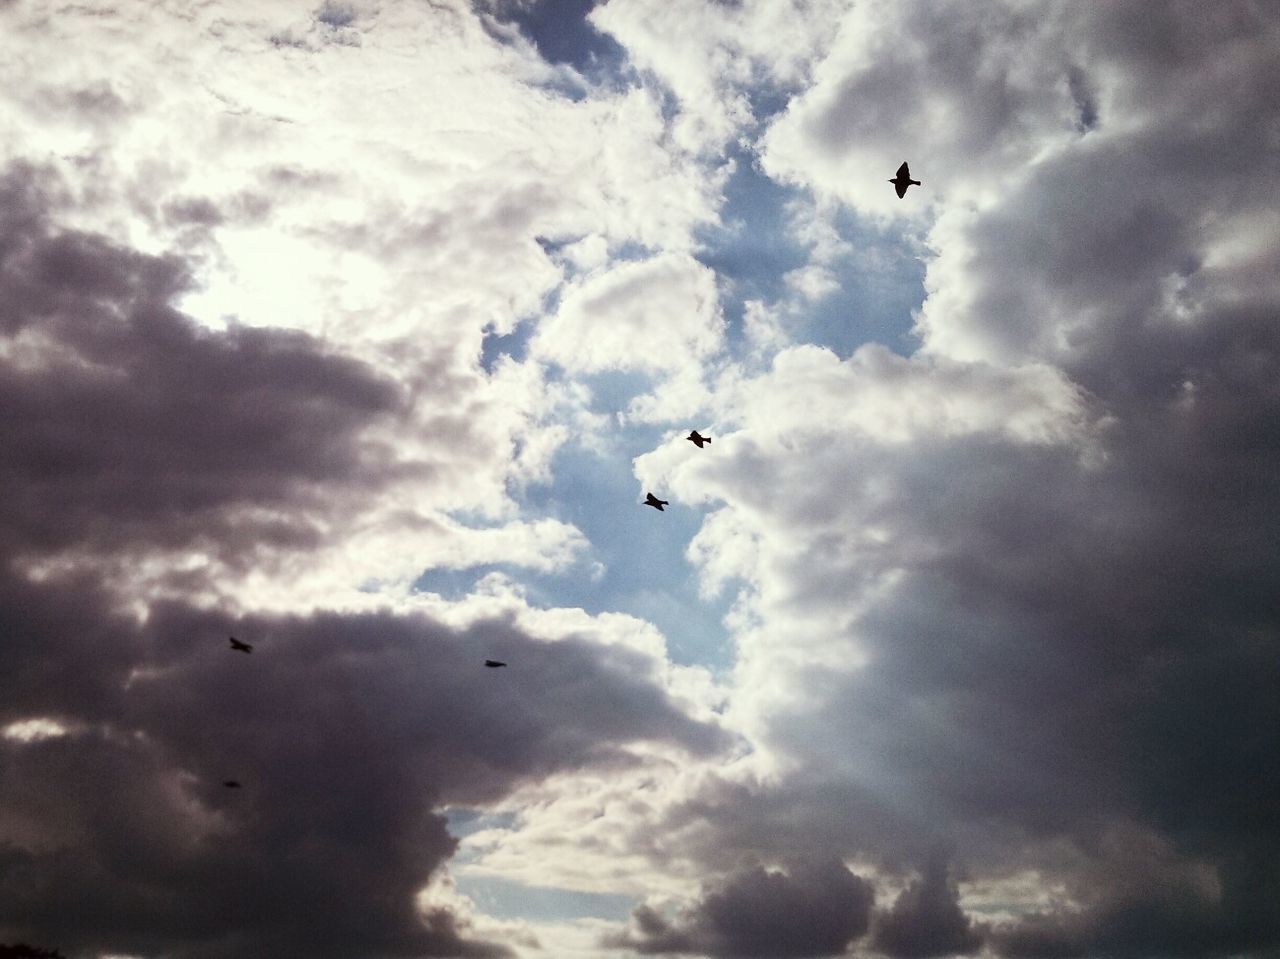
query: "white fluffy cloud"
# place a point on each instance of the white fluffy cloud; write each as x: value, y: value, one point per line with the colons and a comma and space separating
x: 656, y: 315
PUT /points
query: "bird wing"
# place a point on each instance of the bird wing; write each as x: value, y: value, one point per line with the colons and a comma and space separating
x: 901, y: 188
x: 903, y: 172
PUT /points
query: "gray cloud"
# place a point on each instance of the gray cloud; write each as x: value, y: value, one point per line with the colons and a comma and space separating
x: 345, y: 730
x: 1021, y: 649
x: 926, y: 920
x: 130, y: 426
x: 810, y: 910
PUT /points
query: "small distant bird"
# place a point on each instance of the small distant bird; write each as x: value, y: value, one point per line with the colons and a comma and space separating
x: 651, y: 500
x: 230, y: 784
x: 240, y: 647
x: 493, y: 663
x: 903, y: 180
x: 697, y: 439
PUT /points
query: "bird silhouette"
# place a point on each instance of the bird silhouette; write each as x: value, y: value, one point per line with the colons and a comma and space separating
x: 230, y: 784
x: 240, y: 647
x: 651, y: 500
x: 697, y: 439
x: 903, y: 180
x: 493, y: 663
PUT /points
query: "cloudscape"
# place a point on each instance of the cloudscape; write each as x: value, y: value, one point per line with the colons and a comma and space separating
x: 362, y: 331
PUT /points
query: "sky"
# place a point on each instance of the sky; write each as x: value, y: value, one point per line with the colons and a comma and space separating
x: 359, y: 331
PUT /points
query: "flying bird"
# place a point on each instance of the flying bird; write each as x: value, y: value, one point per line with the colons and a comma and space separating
x: 903, y: 180
x: 697, y: 439
x: 651, y: 500
x: 493, y: 663
x: 231, y: 784
x: 240, y: 647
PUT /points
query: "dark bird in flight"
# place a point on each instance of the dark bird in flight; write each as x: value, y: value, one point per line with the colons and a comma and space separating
x: 903, y: 180
x: 651, y: 500
x: 230, y: 784
x: 240, y: 647
x: 697, y: 439
x: 493, y: 663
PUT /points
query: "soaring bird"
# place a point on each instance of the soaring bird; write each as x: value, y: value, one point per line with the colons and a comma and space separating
x: 240, y: 647
x: 493, y: 663
x: 903, y: 180
x: 651, y: 500
x: 230, y: 784
x: 697, y: 439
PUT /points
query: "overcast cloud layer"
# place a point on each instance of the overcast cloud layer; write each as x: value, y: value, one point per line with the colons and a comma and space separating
x: 359, y: 331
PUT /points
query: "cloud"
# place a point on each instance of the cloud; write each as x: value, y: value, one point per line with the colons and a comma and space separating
x: 140, y: 440
x: 173, y: 458
x: 926, y: 920
x: 131, y: 426
x: 346, y: 732
x: 660, y: 314
x: 720, y: 57
x: 810, y: 910
x: 1011, y: 591
x: 276, y: 342
x: 967, y: 96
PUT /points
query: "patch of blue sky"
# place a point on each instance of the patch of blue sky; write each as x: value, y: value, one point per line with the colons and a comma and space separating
x: 880, y: 284
x: 642, y: 550
x: 880, y: 289
x: 506, y: 899
x: 561, y: 33
x: 752, y: 236
x: 645, y: 573
x: 514, y: 344
x: 749, y: 249
x: 462, y: 821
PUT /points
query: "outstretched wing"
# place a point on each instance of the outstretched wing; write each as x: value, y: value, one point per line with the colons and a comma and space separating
x: 903, y: 172
x: 901, y: 188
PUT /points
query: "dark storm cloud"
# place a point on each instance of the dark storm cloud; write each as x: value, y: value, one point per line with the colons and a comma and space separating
x: 811, y: 910
x: 345, y: 732
x: 1159, y: 922
x: 926, y: 920
x: 127, y: 425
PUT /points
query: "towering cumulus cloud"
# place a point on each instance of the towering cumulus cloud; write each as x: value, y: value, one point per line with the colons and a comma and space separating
x: 358, y: 331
